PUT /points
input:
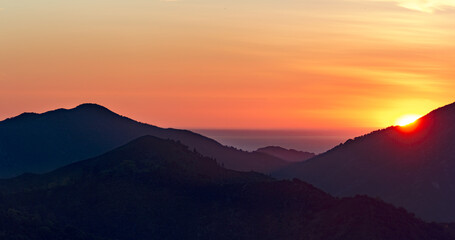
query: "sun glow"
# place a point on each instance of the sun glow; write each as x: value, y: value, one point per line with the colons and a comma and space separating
x: 407, y: 119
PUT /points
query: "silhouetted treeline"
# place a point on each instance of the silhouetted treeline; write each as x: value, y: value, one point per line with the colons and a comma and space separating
x: 159, y: 189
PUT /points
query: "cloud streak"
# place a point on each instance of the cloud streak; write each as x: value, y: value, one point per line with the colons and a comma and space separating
x: 427, y: 6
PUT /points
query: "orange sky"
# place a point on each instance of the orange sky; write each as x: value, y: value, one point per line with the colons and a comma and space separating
x: 230, y: 64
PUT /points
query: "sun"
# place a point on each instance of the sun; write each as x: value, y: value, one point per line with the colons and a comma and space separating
x: 407, y: 119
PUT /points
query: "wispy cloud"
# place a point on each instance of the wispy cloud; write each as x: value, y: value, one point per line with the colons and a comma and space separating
x: 428, y: 6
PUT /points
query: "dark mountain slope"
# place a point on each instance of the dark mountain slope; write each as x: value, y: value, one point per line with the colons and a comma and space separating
x: 145, y: 155
x: 158, y: 189
x: 289, y: 155
x: 42, y: 142
x: 412, y: 166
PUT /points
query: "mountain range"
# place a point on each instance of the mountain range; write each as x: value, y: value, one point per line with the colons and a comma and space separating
x: 153, y: 188
x: 39, y: 143
x: 411, y: 166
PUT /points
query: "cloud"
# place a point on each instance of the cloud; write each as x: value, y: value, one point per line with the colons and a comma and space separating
x: 428, y: 6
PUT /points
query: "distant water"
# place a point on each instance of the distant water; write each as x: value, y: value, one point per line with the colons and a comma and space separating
x: 316, y: 141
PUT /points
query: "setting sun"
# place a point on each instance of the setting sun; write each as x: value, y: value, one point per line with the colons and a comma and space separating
x: 407, y: 119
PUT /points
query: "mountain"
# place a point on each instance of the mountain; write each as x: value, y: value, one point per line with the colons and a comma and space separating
x: 152, y: 188
x: 146, y: 155
x: 289, y: 155
x: 411, y: 166
x: 39, y: 143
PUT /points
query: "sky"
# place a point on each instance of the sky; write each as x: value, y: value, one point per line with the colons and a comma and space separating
x: 249, y: 64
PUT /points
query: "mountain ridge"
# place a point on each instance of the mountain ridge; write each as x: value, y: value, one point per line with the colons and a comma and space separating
x: 409, y: 166
x: 62, y: 136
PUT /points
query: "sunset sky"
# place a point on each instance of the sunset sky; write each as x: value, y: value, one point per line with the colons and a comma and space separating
x: 228, y: 63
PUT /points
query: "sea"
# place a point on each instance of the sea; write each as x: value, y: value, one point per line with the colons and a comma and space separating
x: 310, y: 140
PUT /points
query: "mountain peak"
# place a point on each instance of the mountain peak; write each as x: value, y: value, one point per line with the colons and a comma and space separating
x: 290, y: 155
x: 152, y: 144
x: 91, y: 106
x: 85, y: 107
x: 411, y: 167
x: 63, y: 136
x: 273, y: 148
x: 152, y: 155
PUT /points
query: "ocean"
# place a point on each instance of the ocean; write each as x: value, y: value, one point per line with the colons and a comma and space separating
x: 316, y: 141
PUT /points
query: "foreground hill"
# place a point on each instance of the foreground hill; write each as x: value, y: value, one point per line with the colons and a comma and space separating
x: 158, y: 189
x: 42, y: 142
x: 289, y: 155
x: 412, y: 166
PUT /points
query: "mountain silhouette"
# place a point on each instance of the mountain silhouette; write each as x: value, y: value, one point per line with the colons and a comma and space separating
x: 145, y: 154
x: 39, y: 143
x: 290, y: 155
x: 411, y: 166
x: 152, y: 188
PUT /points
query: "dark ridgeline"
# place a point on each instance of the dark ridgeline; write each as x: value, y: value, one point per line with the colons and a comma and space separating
x: 39, y: 143
x: 158, y: 189
x: 289, y: 155
x: 413, y: 166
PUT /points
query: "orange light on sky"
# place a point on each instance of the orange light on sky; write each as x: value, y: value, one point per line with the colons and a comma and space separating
x: 230, y: 64
x: 407, y: 119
